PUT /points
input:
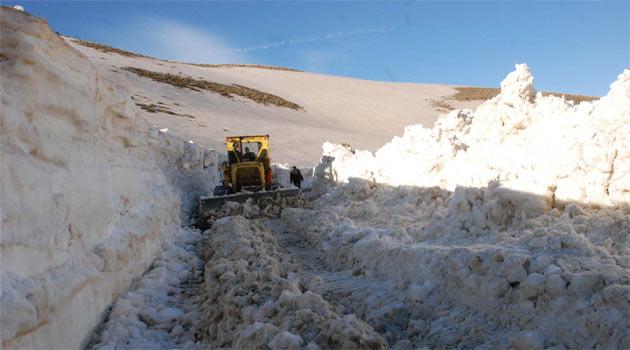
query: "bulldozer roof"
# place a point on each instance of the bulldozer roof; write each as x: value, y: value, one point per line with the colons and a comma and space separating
x: 245, y: 137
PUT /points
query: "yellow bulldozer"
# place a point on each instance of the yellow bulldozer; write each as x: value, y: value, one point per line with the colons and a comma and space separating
x: 248, y: 165
x: 247, y: 173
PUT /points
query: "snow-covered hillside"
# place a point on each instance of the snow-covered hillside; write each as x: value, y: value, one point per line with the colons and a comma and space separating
x: 364, y: 114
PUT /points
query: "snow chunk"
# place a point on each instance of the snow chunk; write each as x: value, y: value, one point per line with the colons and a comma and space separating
x: 286, y: 341
x: 518, y: 86
x: 527, y: 340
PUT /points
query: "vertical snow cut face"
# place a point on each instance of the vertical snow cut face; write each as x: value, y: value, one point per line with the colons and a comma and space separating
x: 527, y: 142
x: 89, y: 190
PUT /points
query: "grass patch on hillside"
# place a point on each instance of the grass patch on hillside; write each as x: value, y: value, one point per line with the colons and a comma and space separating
x: 108, y: 49
x: 571, y: 97
x: 153, y: 108
x: 218, y: 88
x: 245, y: 65
x: 465, y: 93
x: 474, y: 93
x: 481, y: 94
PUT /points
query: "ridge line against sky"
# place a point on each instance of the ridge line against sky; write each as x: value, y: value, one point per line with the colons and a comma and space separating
x: 573, y: 47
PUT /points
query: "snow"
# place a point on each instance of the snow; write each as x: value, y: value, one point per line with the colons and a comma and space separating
x: 503, y: 226
x: 507, y: 225
x: 528, y: 144
x: 253, y: 296
x: 158, y: 311
x: 363, y: 113
x: 89, y: 190
x: 489, y: 281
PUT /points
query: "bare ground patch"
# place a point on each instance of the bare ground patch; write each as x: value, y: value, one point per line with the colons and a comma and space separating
x: 156, y: 108
x: 218, y: 88
x: 465, y: 93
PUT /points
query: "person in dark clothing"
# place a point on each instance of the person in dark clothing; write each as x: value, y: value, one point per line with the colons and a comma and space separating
x: 296, y: 177
x: 249, y: 155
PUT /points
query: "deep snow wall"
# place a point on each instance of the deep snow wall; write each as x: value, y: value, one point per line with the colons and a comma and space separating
x: 90, y: 191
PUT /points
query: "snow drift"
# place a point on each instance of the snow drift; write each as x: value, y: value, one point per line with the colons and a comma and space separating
x: 89, y: 190
x: 525, y: 141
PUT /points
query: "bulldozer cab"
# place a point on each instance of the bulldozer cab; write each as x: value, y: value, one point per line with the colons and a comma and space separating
x: 247, y: 148
x: 248, y: 166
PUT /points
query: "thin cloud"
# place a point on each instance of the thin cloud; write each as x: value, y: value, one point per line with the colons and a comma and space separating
x: 172, y: 40
x: 304, y: 40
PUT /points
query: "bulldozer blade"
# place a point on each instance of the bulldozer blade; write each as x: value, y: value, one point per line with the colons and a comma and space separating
x: 208, y: 204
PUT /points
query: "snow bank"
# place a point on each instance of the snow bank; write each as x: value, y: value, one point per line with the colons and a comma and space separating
x: 89, y: 190
x: 506, y: 226
x: 525, y: 141
x: 561, y: 276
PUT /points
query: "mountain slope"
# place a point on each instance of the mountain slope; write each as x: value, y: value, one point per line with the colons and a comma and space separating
x: 363, y: 113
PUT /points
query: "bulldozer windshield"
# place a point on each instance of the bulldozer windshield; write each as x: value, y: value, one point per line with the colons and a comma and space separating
x: 250, y: 150
x: 247, y: 148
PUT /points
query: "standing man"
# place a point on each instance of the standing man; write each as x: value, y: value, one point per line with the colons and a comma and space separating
x: 296, y: 177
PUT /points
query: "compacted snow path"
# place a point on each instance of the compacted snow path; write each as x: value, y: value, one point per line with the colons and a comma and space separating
x: 257, y: 297
x: 348, y: 288
x: 160, y: 309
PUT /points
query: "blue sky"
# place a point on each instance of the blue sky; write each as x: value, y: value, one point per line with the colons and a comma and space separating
x: 577, y: 47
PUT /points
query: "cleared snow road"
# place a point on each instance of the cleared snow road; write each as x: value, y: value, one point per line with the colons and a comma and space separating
x: 348, y: 288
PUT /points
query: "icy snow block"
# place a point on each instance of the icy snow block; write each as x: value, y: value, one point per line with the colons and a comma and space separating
x: 255, y: 336
x: 527, y: 340
x: 584, y: 284
x: 540, y: 264
x: 532, y: 286
x: 513, y: 267
x: 286, y: 341
x: 529, y: 200
x: 555, y: 285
